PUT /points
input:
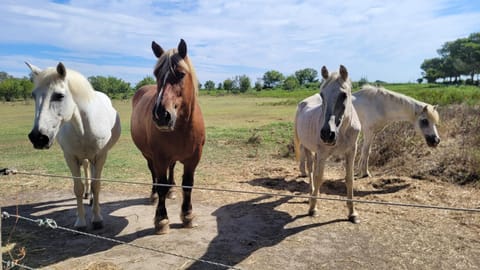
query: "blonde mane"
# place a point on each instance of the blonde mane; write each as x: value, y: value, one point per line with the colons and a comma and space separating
x: 432, y: 113
x: 78, y: 85
x: 164, y: 64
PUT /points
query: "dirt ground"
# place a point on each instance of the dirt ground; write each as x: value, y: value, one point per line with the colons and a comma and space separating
x: 249, y: 231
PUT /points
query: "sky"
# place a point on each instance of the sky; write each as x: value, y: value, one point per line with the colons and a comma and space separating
x: 376, y: 40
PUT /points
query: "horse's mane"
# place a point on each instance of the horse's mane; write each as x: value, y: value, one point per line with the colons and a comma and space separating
x: 432, y: 113
x: 335, y: 76
x: 77, y: 83
x: 167, y: 60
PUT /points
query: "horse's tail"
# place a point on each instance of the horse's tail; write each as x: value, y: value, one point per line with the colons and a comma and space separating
x: 296, y: 141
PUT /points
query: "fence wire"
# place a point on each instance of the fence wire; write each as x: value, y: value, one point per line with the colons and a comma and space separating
x: 386, y: 203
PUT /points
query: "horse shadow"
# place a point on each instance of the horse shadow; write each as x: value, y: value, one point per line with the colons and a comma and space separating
x: 247, y: 226
x: 45, y: 246
x: 300, y: 185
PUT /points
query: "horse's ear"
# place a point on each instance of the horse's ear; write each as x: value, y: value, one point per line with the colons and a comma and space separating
x: 182, y: 48
x: 157, y: 50
x: 61, y: 70
x: 324, y: 72
x: 435, y: 107
x: 35, y: 70
x: 425, y: 109
x: 343, y: 72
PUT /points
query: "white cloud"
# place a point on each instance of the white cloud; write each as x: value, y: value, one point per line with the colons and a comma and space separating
x: 380, y: 40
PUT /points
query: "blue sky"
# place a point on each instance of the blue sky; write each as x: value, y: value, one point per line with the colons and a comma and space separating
x: 377, y: 40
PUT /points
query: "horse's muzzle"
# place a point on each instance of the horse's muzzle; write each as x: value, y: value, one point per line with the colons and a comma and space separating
x: 432, y: 140
x: 164, y: 121
x: 39, y: 140
x: 328, y: 137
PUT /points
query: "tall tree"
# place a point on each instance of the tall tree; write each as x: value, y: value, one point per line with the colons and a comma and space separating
x: 306, y: 75
x: 209, y: 85
x: 272, y: 79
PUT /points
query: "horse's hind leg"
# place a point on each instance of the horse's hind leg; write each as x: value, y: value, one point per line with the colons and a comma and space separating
x: 301, y: 166
x: 86, y: 171
x: 171, y: 180
x: 365, y: 153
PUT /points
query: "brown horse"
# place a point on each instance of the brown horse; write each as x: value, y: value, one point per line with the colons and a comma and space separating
x: 167, y: 126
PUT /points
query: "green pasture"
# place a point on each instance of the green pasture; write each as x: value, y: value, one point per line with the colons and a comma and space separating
x: 250, y: 125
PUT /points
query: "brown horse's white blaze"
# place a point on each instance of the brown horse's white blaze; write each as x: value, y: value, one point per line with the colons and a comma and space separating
x: 167, y: 126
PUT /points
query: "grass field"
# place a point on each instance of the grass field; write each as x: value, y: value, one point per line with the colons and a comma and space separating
x: 255, y: 124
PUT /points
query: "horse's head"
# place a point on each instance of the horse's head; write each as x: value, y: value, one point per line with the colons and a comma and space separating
x: 336, y: 101
x: 53, y: 104
x: 426, y: 121
x: 176, y: 86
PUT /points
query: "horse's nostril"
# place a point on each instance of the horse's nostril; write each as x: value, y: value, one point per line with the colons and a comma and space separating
x: 168, y: 117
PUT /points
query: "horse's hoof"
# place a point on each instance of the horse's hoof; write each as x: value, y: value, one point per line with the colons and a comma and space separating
x: 162, y: 226
x: 153, y: 198
x: 313, y: 212
x: 354, y: 219
x: 302, y: 175
x: 97, y: 225
x: 187, y: 220
x: 172, y: 195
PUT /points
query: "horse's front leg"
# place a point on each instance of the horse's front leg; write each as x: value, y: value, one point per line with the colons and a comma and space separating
x: 161, y: 221
x: 349, y: 164
x: 78, y: 189
x: 316, y: 183
x: 96, y: 172
x: 187, y: 215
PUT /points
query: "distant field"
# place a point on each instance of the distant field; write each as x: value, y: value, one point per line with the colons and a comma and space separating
x: 430, y: 93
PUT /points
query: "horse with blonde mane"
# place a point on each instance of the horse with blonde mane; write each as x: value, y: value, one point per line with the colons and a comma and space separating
x: 378, y: 107
x: 167, y: 126
x: 328, y: 125
x: 84, y: 123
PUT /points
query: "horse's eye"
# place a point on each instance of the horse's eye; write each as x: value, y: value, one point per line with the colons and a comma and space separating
x: 57, y: 96
x: 424, y: 123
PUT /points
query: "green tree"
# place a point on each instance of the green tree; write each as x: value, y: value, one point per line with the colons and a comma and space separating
x: 145, y: 81
x: 272, y: 79
x: 209, y: 85
x: 10, y: 89
x: 228, y: 85
x: 113, y: 87
x: 244, y: 83
x: 219, y: 86
x: 290, y: 83
x: 432, y: 69
x: 306, y: 75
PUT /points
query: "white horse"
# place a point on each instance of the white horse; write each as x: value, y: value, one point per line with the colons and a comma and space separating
x: 378, y: 107
x: 326, y: 125
x: 84, y: 122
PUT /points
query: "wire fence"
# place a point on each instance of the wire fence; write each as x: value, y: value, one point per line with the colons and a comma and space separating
x: 49, y: 223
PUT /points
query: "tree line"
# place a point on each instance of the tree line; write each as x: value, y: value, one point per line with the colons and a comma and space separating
x: 457, y: 58
x: 20, y: 88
